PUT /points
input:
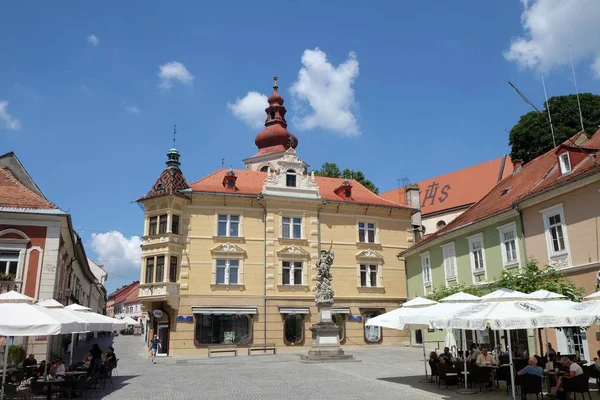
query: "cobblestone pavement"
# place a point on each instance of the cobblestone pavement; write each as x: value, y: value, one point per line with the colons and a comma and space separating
x: 384, y: 373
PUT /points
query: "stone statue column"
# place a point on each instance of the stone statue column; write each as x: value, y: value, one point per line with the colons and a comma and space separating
x: 326, y: 341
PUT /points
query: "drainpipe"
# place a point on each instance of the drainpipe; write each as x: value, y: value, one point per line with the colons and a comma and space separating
x: 258, y: 199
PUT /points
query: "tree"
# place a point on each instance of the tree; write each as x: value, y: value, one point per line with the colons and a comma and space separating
x: 532, y: 278
x: 531, y: 136
x: 331, y: 170
x: 445, y: 291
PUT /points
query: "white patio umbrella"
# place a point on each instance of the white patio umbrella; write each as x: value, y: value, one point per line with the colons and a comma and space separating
x: 107, y: 323
x: 394, y: 319
x: 19, y: 316
x: 130, y: 321
x: 507, y: 311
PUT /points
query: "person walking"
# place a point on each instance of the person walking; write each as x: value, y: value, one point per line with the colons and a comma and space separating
x: 155, y: 344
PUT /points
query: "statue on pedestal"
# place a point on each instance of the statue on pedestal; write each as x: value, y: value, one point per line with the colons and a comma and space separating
x: 324, y: 293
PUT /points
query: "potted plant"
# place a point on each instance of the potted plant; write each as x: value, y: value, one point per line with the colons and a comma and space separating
x: 16, y: 354
x: 6, y: 277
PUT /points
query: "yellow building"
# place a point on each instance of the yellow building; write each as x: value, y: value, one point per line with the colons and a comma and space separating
x: 230, y: 258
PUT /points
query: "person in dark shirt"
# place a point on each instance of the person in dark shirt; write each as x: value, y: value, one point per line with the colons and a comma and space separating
x: 446, y: 357
x: 155, y: 344
x: 29, y: 361
x: 95, y: 359
x: 110, y: 357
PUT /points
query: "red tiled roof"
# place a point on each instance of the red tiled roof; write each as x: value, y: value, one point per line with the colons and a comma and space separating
x: 457, y: 189
x: 535, y: 177
x: 133, y: 298
x: 251, y: 183
x: 127, y: 292
x: 15, y: 194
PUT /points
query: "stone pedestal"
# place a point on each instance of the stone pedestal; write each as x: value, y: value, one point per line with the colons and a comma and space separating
x: 326, y: 342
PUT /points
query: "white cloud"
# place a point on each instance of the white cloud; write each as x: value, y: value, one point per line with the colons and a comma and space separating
x: 551, y: 26
x: 10, y: 122
x: 116, y: 251
x: 171, y: 72
x: 93, y: 40
x: 250, y: 109
x: 132, y: 109
x: 328, y: 91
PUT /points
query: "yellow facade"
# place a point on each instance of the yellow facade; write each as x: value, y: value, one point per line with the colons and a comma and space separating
x: 262, y: 290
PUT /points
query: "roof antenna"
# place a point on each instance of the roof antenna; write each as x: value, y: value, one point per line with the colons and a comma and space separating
x: 174, y: 133
x: 222, y: 162
x: 576, y: 90
x: 549, y: 116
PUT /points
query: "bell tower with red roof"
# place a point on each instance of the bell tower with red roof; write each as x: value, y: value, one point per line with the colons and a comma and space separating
x: 273, y: 141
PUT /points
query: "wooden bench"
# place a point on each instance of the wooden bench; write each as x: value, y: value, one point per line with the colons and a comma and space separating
x: 223, y: 348
x: 262, y: 346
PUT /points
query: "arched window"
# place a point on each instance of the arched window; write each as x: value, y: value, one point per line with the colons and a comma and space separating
x: 290, y: 178
x: 372, y: 333
x: 293, y: 328
x: 440, y: 224
x: 265, y: 168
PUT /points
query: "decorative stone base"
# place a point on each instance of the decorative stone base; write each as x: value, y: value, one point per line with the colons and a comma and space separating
x: 326, y: 344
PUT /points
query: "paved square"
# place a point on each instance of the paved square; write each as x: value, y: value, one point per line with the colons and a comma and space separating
x: 383, y: 373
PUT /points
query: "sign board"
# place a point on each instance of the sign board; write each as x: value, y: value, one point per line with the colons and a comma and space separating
x: 137, y: 330
x: 157, y: 313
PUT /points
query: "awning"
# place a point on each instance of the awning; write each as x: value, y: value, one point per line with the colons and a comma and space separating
x: 342, y: 310
x: 224, y: 310
x: 293, y: 310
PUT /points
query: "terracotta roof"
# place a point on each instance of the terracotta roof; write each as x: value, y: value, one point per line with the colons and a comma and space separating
x: 171, y: 181
x: 13, y: 193
x: 133, y: 298
x: 457, y: 189
x: 251, y: 183
x: 533, y: 178
x: 129, y: 290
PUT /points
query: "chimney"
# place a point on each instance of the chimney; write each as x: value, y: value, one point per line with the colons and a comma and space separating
x: 413, y: 199
x: 517, y: 165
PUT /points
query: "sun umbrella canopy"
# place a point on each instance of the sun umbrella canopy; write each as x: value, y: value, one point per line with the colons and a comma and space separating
x: 99, y: 321
x: 459, y: 297
x: 419, y: 302
x: 504, y: 294
x: 593, y: 296
x: 130, y: 321
x: 72, y: 321
x: 19, y: 316
x: 514, y: 314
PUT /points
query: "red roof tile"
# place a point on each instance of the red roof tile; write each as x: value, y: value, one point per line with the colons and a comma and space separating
x: 133, y: 298
x: 457, y: 189
x: 15, y: 194
x: 251, y: 183
x: 535, y: 177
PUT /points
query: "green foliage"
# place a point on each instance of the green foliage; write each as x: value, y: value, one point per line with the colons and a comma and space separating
x: 331, y: 170
x: 16, y: 354
x: 531, y: 278
x: 445, y: 291
x: 532, y: 137
x: 6, y: 277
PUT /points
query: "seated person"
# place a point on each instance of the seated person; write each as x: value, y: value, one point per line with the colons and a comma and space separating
x: 433, y: 357
x: 522, y: 353
x: 41, y: 368
x: 445, y: 357
x: 473, y: 354
x: 110, y: 358
x: 59, y: 368
x: 484, y: 358
x: 574, y: 370
x: 532, y: 368
x: 29, y: 361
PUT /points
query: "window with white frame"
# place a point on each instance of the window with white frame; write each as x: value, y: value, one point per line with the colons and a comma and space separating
x: 291, y: 227
x: 426, y: 267
x: 9, y: 262
x: 449, y: 254
x: 291, y: 272
x: 366, y: 232
x: 565, y: 163
x: 476, y: 253
x: 227, y: 271
x: 368, y: 275
x: 508, y: 240
x: 228, y: 225
x: 555, y: 231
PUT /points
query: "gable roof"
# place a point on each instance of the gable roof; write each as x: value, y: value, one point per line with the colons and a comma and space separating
x: 15, y: 194
x: 251, y: 183
x: 537, y: 176
x: 127, y: 292
x: 133, y: 298
x: 458, y: 188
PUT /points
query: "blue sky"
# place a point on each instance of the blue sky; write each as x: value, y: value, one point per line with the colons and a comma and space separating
x: 421, y: 87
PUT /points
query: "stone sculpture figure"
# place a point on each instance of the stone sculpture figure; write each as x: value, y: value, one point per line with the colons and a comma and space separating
x: 324, y: 293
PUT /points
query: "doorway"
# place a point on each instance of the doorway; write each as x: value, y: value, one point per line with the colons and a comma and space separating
x: 419, y: 336
x: 162, y: 331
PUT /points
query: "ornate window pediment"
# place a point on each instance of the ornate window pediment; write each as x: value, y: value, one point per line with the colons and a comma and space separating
x: 293, y: 251
x: 228, y: 249
x: 369, y: 254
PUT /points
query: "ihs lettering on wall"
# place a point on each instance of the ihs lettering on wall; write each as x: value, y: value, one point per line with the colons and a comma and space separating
x: 432, y: 191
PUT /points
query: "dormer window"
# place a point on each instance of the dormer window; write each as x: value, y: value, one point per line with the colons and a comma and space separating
x: 290, y: 178
x: 565, y: 163
x: 230, y: 184
x: 272, y: 114
x: 229, y: 179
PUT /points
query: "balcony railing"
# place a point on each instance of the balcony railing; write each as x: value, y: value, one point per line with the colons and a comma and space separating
x: 7, y: 286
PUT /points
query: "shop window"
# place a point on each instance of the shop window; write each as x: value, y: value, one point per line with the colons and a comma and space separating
x: 373, y: 334
x: 222, y: 329
x: 293, y: 328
